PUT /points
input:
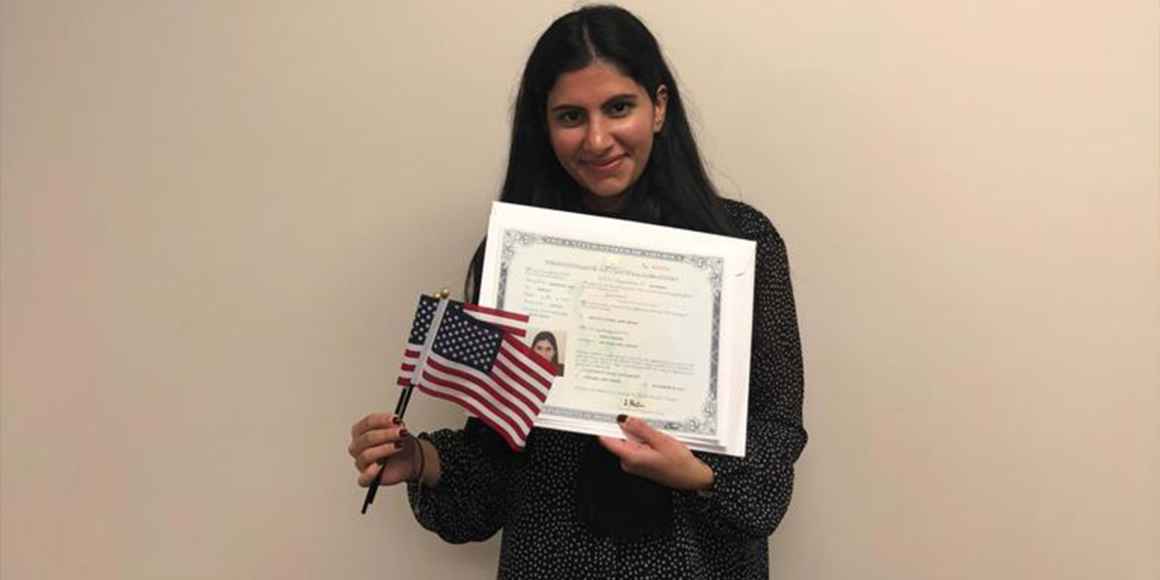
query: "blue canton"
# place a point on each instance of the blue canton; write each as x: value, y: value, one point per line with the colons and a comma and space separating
x: 462, y: 339
x: 467, y: 341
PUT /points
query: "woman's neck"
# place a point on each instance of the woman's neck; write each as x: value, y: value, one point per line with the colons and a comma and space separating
x: 610, y: 205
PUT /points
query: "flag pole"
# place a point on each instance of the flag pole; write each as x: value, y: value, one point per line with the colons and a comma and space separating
x: 405, y: 394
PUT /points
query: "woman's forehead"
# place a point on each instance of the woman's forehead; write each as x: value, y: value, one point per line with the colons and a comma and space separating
x: 592, y: 85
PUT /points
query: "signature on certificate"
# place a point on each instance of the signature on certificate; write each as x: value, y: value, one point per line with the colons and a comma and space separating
x: 632, y: 403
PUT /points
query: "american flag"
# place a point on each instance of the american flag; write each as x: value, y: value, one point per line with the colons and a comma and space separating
x: 478, y: 361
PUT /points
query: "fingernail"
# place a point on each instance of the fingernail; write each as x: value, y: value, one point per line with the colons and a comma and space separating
x: 394, y: 420
x: 404, y: 433
x: 621, y: 418
x: 398, y: 444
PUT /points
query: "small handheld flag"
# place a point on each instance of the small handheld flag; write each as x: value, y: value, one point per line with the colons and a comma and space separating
x: 478, y: 361
x: 474, y: 357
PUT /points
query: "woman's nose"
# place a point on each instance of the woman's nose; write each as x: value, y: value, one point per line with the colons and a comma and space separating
x: 598, y: 139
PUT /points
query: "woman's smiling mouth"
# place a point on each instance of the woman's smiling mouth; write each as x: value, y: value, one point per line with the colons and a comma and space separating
x: 606, y: 165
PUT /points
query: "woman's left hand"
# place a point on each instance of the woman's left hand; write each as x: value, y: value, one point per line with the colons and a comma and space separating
x: 659, y: 457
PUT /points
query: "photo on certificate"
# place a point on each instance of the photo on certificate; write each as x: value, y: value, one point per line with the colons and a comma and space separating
x: 643, y: 320
x: 550, y: 343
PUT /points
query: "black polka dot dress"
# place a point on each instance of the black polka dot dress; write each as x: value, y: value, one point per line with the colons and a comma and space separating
x: 723, y: 533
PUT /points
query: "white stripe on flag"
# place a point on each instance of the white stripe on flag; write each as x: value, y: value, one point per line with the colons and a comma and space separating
x: 475, y: 409
x: 509, y: 422
x: 530, y: 409
x: 539, y: 379
x: 543, y: 376
x: 410, y: 357
x: 502, y: 373
x: 512, y: 325
x: 501, y: 404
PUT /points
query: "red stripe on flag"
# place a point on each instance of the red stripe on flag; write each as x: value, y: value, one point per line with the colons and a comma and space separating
x: 479, y: 401
x: 490, y: 388
x: 503, y: 365
x: 530, y: 378
x: 496, y: 312
x: 510, y: 329
x: 407, y: 368
x: 544, y: 382
x: 518, y: 389
x: 507, y: 418
x: 532, y: 355
x: 481, y: 416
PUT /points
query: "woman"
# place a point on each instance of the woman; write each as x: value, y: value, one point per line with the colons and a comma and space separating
x: 600, y: 127
x: 545, y: 345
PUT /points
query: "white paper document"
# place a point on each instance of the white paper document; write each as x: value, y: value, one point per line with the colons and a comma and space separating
x: 644, y: 320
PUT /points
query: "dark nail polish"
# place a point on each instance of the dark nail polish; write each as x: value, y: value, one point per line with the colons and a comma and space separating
x: 398, y: 444
x: 621, y: 418
x: 394, y: 420
x: 404, y: 433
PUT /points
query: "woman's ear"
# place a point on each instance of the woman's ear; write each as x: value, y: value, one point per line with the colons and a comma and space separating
x: 660, y: 105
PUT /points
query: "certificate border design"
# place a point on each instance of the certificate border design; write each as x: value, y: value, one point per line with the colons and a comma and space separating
x: 706, y: 423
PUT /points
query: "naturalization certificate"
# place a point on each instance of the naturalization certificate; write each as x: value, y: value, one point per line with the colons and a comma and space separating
x: 645, y: 320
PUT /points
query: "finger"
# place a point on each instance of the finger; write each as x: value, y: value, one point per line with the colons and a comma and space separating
x: 360, y: 426
x: 635, y: 458
x: 378, y: 453
x: 363, y: 424
x: 381, y: 421
x: 378, y: 437
x: 367, y: 439
x: 367, y: 475
x: 373, y: 421
x: 622, y: 448
x: 374, y: 454
x: 640, y: 430
x: 359, y: 444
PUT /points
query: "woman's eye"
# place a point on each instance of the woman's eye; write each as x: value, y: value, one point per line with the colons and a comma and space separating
x: 619, y: 109
x: 568, y: 118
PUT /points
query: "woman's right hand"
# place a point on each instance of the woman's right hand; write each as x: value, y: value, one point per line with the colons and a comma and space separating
x: 381, y: 439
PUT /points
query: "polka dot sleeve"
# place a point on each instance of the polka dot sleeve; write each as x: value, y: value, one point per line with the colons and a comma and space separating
x: 470, y: 504
x: 751, y: 494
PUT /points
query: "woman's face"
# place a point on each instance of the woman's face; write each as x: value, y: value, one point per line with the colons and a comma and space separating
x: 544, y: 349
x: 601, y: 124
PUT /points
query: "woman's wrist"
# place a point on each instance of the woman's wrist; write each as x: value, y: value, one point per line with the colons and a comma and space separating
x: 426, y: 470
x: 418, y: 461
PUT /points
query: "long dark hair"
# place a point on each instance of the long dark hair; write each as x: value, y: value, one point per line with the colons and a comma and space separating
x: 673, y: 190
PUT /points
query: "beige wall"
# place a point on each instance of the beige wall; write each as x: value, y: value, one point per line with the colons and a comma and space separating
x: 216, y: 216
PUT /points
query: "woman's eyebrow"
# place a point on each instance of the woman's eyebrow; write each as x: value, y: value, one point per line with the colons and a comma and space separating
x: 612, y: 99
x: 621, y: 97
